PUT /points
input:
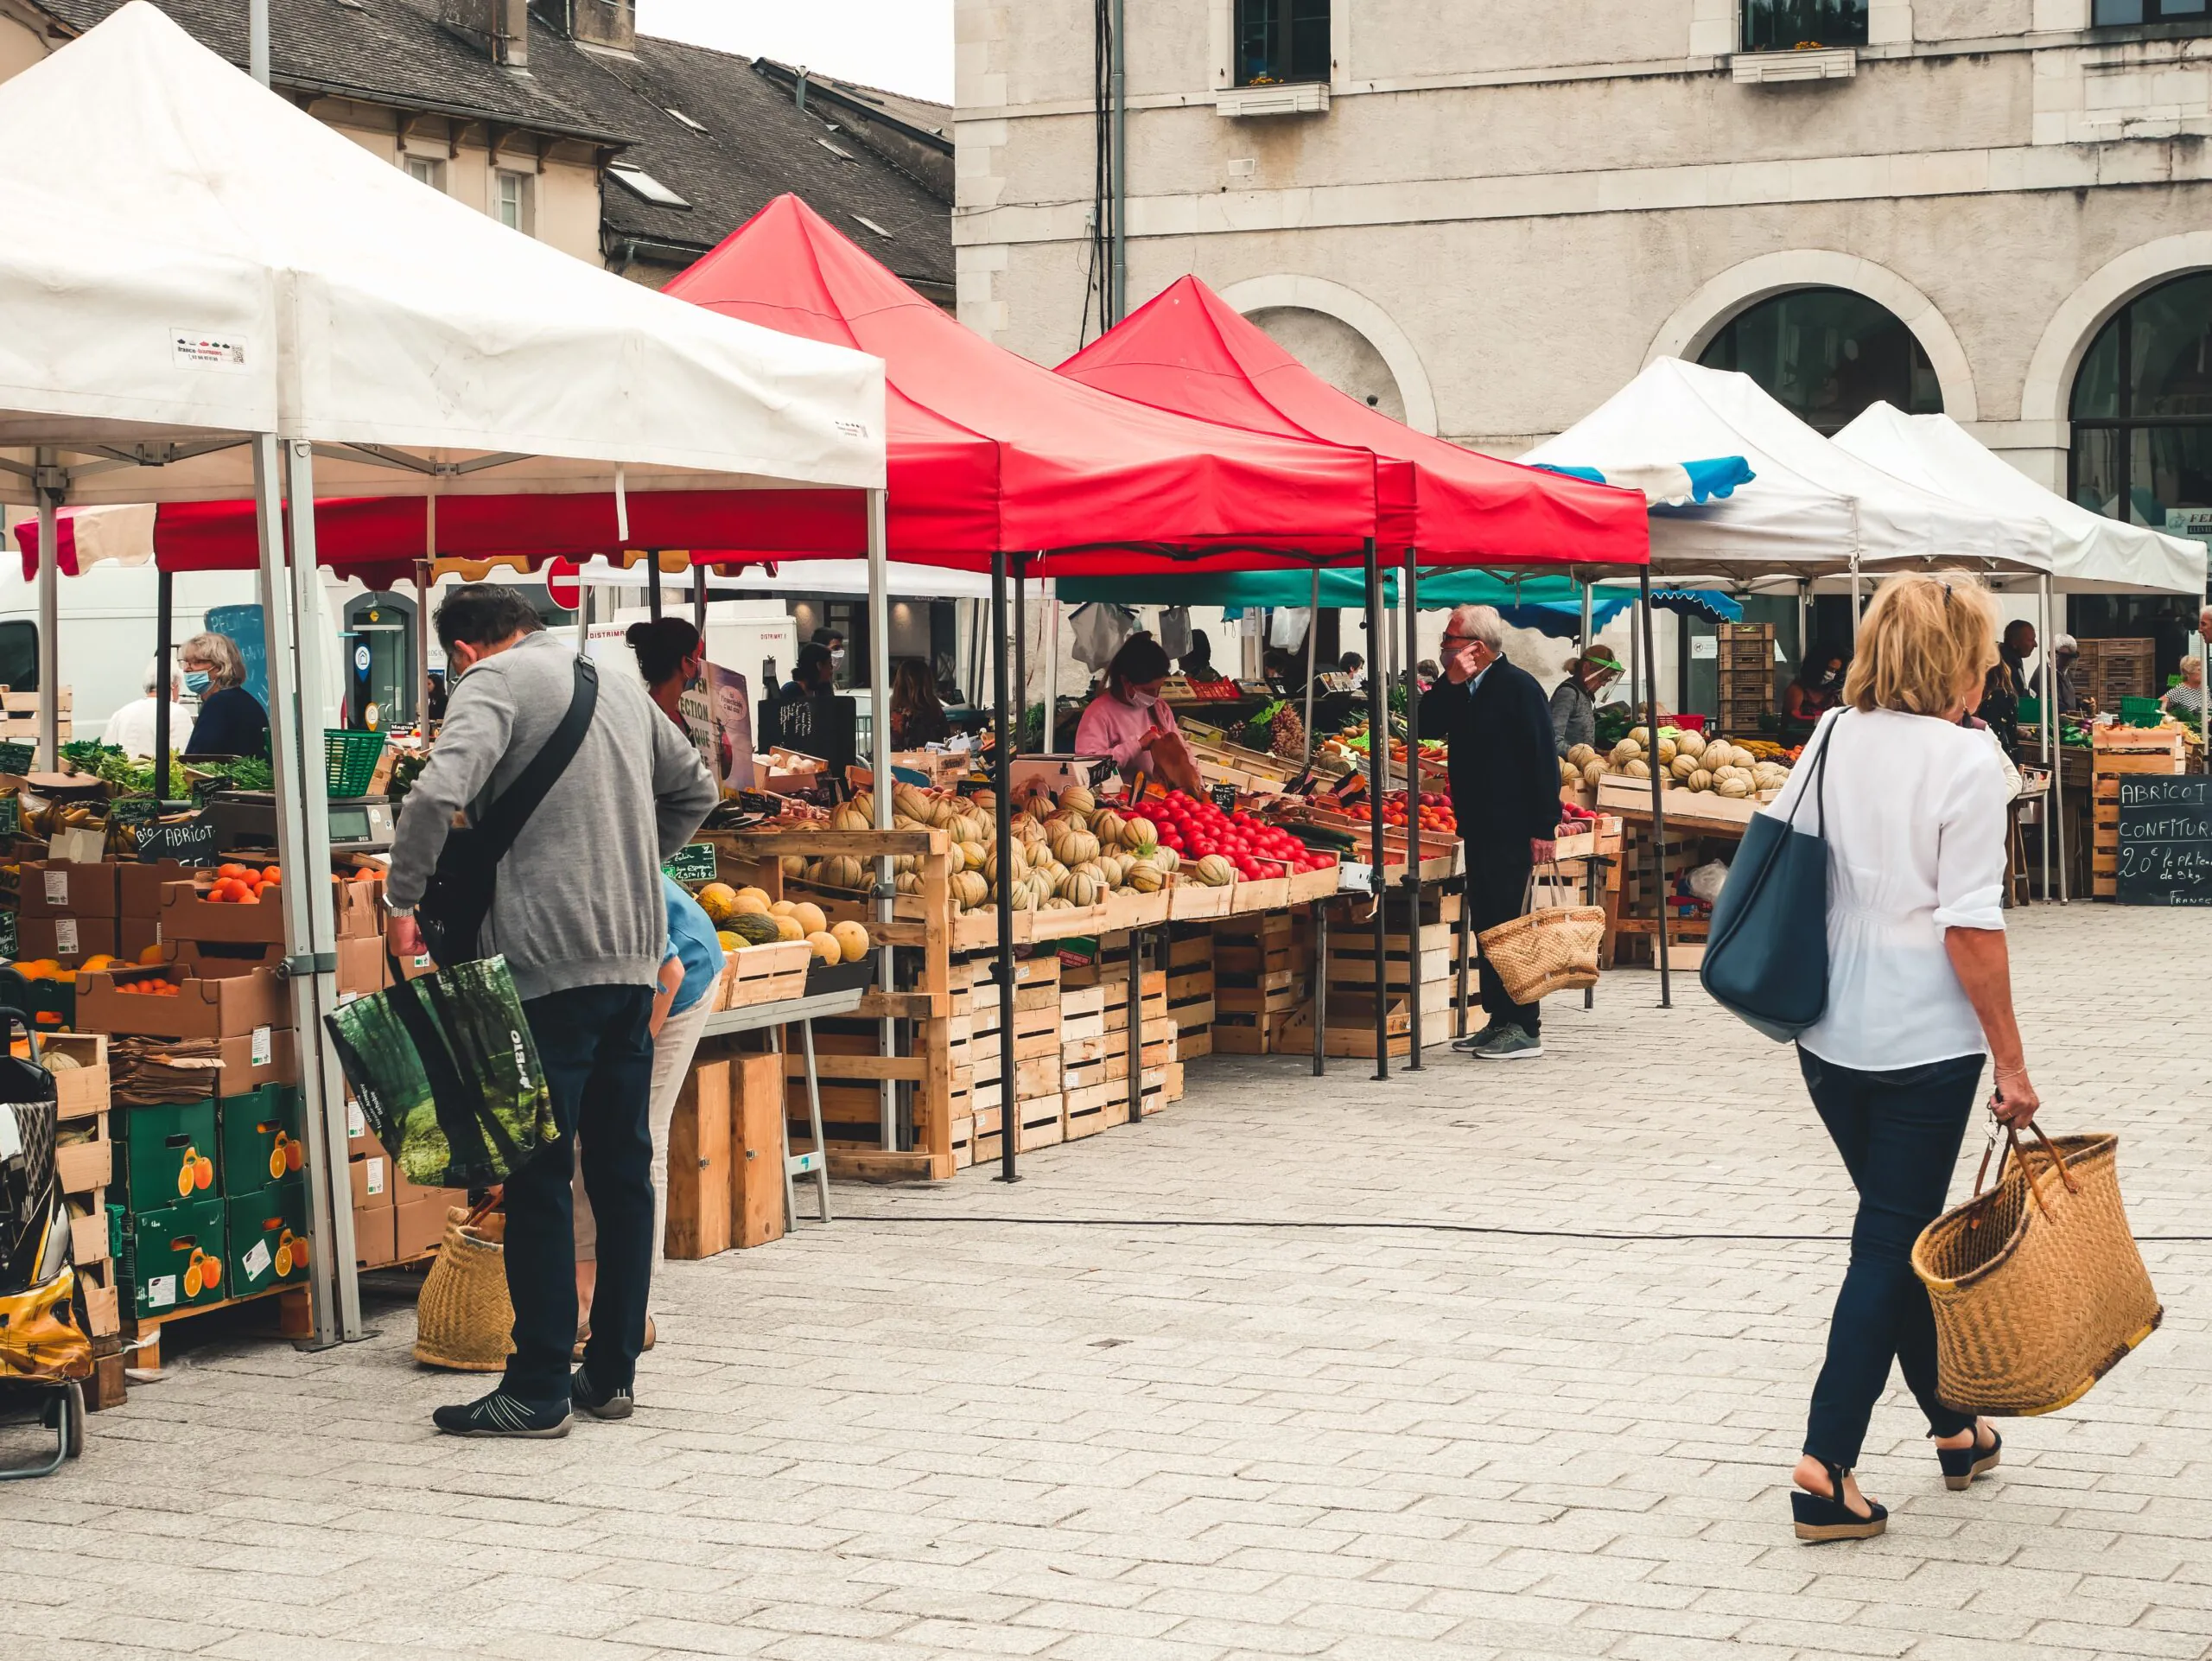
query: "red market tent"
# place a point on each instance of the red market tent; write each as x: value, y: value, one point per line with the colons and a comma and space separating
x: 1189, y: 350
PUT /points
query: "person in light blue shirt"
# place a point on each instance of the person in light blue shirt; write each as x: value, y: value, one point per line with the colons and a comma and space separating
x: 681, y: 1002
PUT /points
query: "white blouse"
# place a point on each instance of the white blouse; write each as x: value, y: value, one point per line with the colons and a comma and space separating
x: 1916, y: 846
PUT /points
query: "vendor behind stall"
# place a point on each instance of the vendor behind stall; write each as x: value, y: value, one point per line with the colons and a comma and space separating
x: 2186, y: 697
x: 1815, y: 689
x: 1574, y: 700
x: 1127, y: 721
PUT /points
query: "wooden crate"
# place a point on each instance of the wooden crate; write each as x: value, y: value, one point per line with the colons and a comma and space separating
x: 2117, y: 751
x: 763, y: 974
x: 2108, y: 671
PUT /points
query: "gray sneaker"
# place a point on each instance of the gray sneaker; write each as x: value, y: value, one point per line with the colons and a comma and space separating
x: 1474, y: 1041
x: 1511, y: 1044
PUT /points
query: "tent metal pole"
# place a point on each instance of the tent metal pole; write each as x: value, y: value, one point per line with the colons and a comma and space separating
x: 2049, y: 728
x: 1312, y: 640
x: 1410, y: 599
x: 1804, y: 620
x: 583, y: 615
x: 422, y: 647
x: 334, y: 1287
x: 1658, y: 803
x: 257, y: 30
x: 879, y: 761
x: 1854, y: 596
x: 1020, y: 649
x: 164, y: 607
x: 2057, y: 831
x: 1052, y: 587
x: 1589, y: 616
x: 699, y: 598
x: 52, y: 483
x: 653, y: 585
x: 1002, y: 788
x: 1378, y: 781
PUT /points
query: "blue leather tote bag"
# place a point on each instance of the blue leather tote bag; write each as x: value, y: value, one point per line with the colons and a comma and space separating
x: 1766, y: 953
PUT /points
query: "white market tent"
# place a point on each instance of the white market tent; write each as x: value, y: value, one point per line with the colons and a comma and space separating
x: 2091, y: 553
x: 284, y: 305
x: 1811, y: 508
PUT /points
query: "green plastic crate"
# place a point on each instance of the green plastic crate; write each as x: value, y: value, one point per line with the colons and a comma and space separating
x: 254, y: 1127
x: 352, y: 759
x: 165, y: 1246
x: 156, y: 1140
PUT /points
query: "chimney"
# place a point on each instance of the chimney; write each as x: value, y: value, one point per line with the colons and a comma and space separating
x: 609, y: 23
x: 497, y: 29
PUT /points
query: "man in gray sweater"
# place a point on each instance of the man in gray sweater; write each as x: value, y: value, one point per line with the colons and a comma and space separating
x: 578, y: 914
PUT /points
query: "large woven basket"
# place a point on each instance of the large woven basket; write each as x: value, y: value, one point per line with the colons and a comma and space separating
x: 463, y: 1318
x: 2038, y: 1288
x: 1549, y: 949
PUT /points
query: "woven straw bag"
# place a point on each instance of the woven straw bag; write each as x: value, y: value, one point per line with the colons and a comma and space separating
x: 1547, y: 948
x: 463, y: 1318
x: 2038, y: 1288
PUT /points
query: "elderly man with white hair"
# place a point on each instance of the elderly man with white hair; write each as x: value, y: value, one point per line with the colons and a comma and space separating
x: 1505, y: 795
x: 131, y: 728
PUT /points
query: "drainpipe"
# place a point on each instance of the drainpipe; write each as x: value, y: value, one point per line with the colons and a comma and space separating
x: 256, y: 38
x: 798, y: 88
x: 1121, y: 172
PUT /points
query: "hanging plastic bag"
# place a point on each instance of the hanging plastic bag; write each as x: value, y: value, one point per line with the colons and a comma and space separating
x: 1286, y: 627
x: 1174, y: 632
x: 446, y: 1075
x: 1099, y: 629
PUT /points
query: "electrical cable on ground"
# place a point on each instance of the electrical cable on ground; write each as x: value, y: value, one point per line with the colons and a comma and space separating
x: 1350, y: 1224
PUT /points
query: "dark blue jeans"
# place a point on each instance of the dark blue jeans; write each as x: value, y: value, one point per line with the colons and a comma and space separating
x: 1898, y: 1133
x: 598, y: 1055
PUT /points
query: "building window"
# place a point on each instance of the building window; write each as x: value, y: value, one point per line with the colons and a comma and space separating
x: 1827, y: 354
x: 1785, y: 25
x: 510, y: 199
x: 2106, y: 12
x: 425, y: 170
x: 1281, y: 41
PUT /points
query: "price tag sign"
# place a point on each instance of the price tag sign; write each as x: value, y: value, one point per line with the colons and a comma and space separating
x: 693, y: 863
x: 11, y: 816
x: 1224, y: 798
x: 189, y: 842
x: 8, y: 947
x: 17, y: 758
x: 135, y: 811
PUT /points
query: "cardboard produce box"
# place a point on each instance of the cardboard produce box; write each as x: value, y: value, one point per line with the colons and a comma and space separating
x: 358, y: 1139
x: 260, y: 1134
x: 218, y: 959
x: 264, y: 1056
x: 418, y: 1225
x: 371, y: 1177
x: 226, y: 1008
x: 266, y: 1231
x: 53, y: 887
x: 139, y: 885
x: 168, y: 1153
x: 67, y: 940
x: 167, y: 1255
x: 185, y: 915
x: 362, y: 967
x: 373, y: 1236
x: 138, y: 939
x: 361, y: 907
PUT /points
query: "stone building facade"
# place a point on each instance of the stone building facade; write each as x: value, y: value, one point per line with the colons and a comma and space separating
x: 1486, y: 215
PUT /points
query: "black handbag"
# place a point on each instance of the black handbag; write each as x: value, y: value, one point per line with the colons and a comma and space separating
x: 457, y: 899
x: 1766, y: 954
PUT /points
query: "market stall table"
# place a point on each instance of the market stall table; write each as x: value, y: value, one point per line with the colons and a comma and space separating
x: 772, y: 1018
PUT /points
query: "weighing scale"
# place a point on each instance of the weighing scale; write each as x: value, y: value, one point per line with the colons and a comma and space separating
x: 247, y: 819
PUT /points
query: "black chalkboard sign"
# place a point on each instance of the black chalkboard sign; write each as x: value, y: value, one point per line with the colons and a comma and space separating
x: 189, y: 842
x: 2166, y: 840
x: 822, y: 725
x: 1224, y: 798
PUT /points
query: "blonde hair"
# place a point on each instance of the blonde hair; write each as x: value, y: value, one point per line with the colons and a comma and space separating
x: 1926, y: 643
x: 220, y: 653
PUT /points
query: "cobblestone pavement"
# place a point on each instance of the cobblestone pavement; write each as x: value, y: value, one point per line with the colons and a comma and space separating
x: 983, y: 1421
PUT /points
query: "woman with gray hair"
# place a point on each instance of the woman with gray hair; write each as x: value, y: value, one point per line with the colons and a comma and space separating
x: 1497, y: 726
x: 232, y: 721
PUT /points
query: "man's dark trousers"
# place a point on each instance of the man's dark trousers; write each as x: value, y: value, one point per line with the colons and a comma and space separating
x: 597, y: 1050
x: 1498, y: 883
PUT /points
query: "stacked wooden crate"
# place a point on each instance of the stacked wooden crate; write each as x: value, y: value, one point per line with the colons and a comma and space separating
x: 1191, y: 988
x: 84, y: 1165
x: 2118, y: 750
x: 1097, y: 1068
x: 1036, y: 1044
x: 1420, y: 964
x: 1264, y: 981
x: 1746, y: 693
x: 19, y: 720
x: 2109, y: 670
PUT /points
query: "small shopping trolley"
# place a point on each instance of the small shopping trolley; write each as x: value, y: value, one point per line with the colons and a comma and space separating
x: 46, y: 1351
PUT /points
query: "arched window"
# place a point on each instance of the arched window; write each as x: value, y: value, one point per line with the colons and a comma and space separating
x: 2142, y: 408
x: 1828, y: 353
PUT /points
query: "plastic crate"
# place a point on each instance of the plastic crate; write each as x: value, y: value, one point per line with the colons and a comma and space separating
x: 353, y: 758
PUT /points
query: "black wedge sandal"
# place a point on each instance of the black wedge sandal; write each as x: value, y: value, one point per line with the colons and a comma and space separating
x: 1962, y: 1465
x: 1821, y: 1519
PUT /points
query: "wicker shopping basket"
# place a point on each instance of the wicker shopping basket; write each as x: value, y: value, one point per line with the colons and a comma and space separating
x: 1547, y: 948
x: 463, y: 1318
x: 2038, y: 1286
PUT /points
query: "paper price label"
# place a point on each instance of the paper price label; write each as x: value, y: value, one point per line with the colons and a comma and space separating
x: 161, y: 1291
x: 355, y: 1124
x: 261, y: 1046
x: 257, y: 1261
x: 373, y: 1176
x: 57, y: 887
x: 64, y: 937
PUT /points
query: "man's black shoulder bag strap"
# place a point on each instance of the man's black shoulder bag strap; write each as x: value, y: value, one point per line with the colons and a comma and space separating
x: 458, y: 898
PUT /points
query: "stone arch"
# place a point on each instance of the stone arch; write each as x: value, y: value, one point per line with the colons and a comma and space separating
x: 1698, y: 319
x: 1360, y: 315
x: 2047, y: 395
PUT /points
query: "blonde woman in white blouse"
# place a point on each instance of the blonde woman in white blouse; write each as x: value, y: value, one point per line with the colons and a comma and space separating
x: 1919, y: 995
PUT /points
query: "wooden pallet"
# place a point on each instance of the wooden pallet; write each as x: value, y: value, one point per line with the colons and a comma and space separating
x: 287, y: 1306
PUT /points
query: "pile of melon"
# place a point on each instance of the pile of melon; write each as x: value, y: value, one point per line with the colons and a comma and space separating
x: 1684, y: 760
x: 746, y: 917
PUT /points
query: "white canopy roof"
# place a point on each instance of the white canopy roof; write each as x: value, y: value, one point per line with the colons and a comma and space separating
x: 2091, y: 553
x: 277, y: 276
x: 1810, y: 509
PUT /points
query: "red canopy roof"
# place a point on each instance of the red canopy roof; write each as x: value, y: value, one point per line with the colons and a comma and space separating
x: 1190, y: 350
x: 990, y: 451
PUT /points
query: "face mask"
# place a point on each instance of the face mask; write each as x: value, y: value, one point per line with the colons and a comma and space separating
x: 1829, y: 677
x: 838, y: 657
x: 1143, y: 700
x: 195, y: 681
